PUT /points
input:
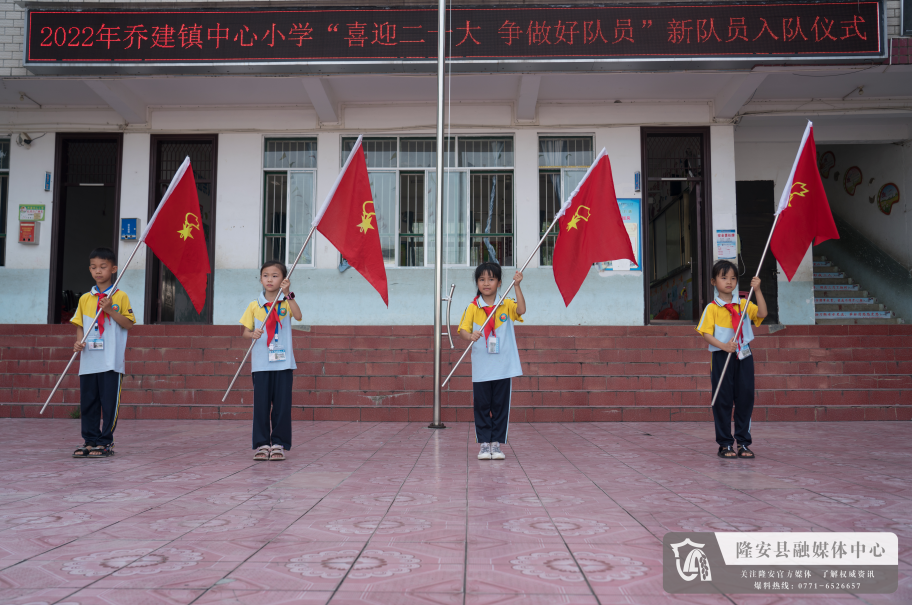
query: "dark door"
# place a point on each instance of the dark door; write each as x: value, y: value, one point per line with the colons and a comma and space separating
x: 676, y: 215
x: 166, y: 299
x: 756, y: 204
x: 85, y: 215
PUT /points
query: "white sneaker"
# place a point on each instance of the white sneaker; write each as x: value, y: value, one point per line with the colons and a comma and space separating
x: 485, y: 453
x: 496, y: 454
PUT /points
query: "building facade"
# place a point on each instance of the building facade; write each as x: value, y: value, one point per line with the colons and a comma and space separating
x: 700, y: 141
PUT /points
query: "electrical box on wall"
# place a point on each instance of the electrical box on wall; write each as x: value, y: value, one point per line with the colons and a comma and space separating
x: 28, y: 232
x: 129, y: 229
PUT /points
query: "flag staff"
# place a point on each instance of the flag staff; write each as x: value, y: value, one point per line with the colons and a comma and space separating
x: 91, y: 325
x: 438, y: 215
x: 274, y: 306
x: 503, y: 296
x: 744, y: 311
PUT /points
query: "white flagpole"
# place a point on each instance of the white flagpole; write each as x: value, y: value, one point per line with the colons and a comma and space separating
x: 783, y: 204
x: 142, y: 238
x: 436, y: 422
x: 313, y: 228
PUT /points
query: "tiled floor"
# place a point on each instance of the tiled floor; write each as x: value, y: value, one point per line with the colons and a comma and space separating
x: 393, y: 513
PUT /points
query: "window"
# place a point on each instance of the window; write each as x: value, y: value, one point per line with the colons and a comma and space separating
x: 4, y: 194
x: 288, y: 198
x: 562, y: 164
x: 478, y: 194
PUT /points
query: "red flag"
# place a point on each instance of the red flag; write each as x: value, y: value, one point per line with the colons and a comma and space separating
x: 175, y: 235
x: 591, y: 229
x: 349, y: 221
x: 804, y: 213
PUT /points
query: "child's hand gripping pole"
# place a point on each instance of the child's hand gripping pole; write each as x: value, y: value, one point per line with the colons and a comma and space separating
x: 88, y: 329
x: 503, y: 296
x: 744, y: 311
x: 272, y: 307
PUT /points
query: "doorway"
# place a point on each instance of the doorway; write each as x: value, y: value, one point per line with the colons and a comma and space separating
x: 756, y: 205
x: 677, y: 215
x: 166, y: 299
x: 85, y: 217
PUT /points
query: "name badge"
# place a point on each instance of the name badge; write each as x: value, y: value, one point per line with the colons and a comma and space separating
x: 493, y: 344
x: 744, y: 353
x: 95, y: 344
x: 276, y: 354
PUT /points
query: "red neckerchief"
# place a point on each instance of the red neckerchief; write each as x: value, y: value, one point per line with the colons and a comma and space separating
x: 488, y: 310
x: 101, y: 318
x: 735, y: 311
x: 272, y: 320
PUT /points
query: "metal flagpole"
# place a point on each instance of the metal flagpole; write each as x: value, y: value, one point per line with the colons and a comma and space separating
x: 86, y: 331
x: 438, y: 214
x: 502, y: 297
x: 744, y: 311
x: 271, y: 308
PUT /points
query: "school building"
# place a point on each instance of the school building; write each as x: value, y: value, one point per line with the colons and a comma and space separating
x: 700, y: 106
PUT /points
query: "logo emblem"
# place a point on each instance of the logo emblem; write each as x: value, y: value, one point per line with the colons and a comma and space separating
x: 283, y: 311
x: 187, y: 231
x: 695, y: 563
x: 582, y: 213
x: 801, y: 191
x: 503, y: 317
x: 116, y: 307
x: 366, y: 222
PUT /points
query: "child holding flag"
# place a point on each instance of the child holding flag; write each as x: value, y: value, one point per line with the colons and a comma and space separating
x: 101, y: 361
x: 272, y: 361
x: 717, y: 326
x: 495, y: 357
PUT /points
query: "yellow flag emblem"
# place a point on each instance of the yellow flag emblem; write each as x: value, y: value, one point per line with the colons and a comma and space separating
x: 186, y: 232
x: 582, y: 213
x: 366, y: 222
x: 802, y: 191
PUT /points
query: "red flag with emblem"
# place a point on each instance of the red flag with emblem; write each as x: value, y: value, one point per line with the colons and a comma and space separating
x: 175, y: 234
x: 349, y: 221
x: 591, y: 229
x: 804, y: 215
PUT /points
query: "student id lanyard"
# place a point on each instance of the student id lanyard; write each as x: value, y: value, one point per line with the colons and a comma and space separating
x: 276, y: 353
x: 96, y: 342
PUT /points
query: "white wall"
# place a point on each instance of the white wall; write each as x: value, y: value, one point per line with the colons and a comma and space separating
x: 27, y: 267
x: 134, y: 203
x: 881, y: 164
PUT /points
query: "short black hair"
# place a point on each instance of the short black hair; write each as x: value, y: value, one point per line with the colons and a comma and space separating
x: 722, y: 267
x: 489, y: 267
x: 275, y: 263
x: 103, y: 254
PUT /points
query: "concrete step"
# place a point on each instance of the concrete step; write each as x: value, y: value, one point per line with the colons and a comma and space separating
x: 825, y: 268
x: 836, y: 287
x: 824, y: 263
x: 829, y: 308
x: 837, y: 281
x: 858, y: 322
x: 862, y: 314
x: 821, y: 293
x: 819, y: 259
x: 821, y: 274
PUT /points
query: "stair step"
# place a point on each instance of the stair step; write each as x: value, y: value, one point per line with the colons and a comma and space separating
x: 826, y: 268
x: 849, y: 307
x: 858, y: 322
x: 829, y: 274
x: 844, y: 300
x: 834, y: 281
x: 824, y: 263
x: 819, y: 259
x: 834, y: 287
x: 854, y: 314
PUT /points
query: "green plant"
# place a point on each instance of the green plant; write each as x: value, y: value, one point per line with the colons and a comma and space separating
x: 74, y: 413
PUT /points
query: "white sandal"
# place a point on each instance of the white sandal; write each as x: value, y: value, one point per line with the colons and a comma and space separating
x: 262, y: 453
x: 277, y: 453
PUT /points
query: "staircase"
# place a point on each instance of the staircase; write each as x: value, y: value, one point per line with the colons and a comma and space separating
x: 838, y: 300
x: 572, y: 373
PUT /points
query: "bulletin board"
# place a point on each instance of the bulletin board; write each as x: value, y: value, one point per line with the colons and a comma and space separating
x: 632, y: 217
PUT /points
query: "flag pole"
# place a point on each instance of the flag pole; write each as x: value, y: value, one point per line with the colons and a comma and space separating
x: 86, y: 331
x: 502, y: 297
x: 744, y: 311
x: 436, y: 422
x: 274, y: 306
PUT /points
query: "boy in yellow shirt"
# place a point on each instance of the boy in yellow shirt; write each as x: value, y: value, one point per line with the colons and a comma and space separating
x: 101, y: 361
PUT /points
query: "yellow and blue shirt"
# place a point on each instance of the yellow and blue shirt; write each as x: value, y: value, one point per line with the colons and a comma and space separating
x: 111, y: 357
x: 493, y: 366
x: 717, y: 320
x: 254, y: 318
